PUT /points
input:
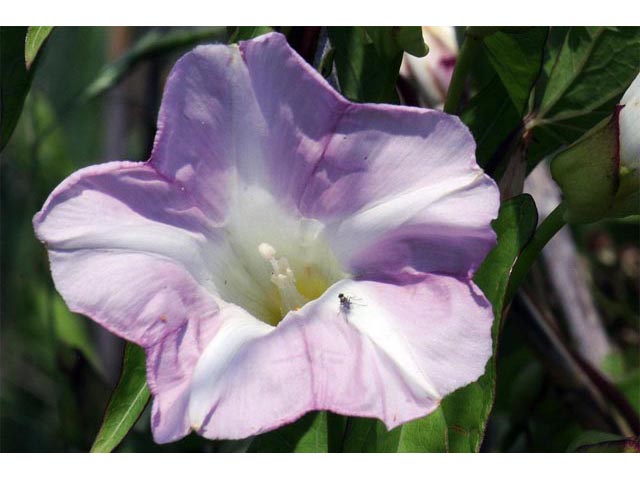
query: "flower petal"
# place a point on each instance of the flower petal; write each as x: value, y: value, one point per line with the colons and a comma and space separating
x: 126, y: 248
x: 299, y: 107
x: 233, y: 116
x: 399, y: 187
x: 629, y: 126
x: 170, y: 368
x: 237, y: 330
x: 393, y: 356
x: 208, y: 126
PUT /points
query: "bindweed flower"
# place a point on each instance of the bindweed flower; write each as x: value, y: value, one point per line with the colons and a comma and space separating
x: 630, y: 126
x: 432, y: 73
x: 283, y: 250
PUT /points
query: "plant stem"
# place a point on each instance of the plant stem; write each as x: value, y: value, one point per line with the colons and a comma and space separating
x: 470, y: 47
x: 547, y: 229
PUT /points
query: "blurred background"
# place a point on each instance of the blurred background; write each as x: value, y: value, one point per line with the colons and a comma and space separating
x: 95, y: 98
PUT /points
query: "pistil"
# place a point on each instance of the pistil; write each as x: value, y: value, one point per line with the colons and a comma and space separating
x: 282, y: 277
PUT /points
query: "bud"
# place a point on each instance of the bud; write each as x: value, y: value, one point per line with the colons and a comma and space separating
x: 630, y: 127
x: 432, y: 73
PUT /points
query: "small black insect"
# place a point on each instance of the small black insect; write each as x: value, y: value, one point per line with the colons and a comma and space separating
x: 346, y: 304
x: 345, y: 301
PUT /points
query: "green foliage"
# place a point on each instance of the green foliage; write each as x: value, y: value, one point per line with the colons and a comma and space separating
x: 368, y: 59
x: 247, y: 33
x: 410, y: 40
x: 15, y: 79
x: 603, y: 442
x: 511, y: 63
x: 36, y: 38
x: 586, y: 71
x: 127, y: 403
x: 72, y: 331
x: 517, y: 60
x: 153, y: 44
x: 326, y: 63
x: 627, y: 199
x: 467, y: 410
x: 588, y: 172
x: 309, y: 434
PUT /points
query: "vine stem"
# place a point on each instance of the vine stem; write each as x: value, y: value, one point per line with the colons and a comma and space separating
x: 470, y: 46
x: 547, y: 229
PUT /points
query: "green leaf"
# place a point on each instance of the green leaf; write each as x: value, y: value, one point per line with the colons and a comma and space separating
x: 588, y: 172
x: 15, y: 79
x: 587, y: 69
x: 410, y: 40
x: 153, y: 44
x: 18, y: 52
x: 427, y: 434
x: 602, y: 442
x: 36, y: 37
x: 369, y: 435
x: 517, y: 60
x: 247, y: 33
x: 629, y: 385
x: 368, y: 59
x: 458, y: 424
x: 309, y: 434
x: 492, y: 119
x: 467, y: 410
x: 73, y: 332
x: 588, y: 438
x: 514, y: 226
x: 326, y: 63
x: 627, y: 200
x: 510, y: 63
x: 127, y: 402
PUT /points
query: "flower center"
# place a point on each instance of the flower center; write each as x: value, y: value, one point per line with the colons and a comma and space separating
x: 269, y: 260
x: 282, y: 277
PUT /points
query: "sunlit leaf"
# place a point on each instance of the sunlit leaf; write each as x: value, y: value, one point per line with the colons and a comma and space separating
x: 511, y: 63
x: 587, y: 69
x: 127, y: 402
x: 36, y: 37
x: 517, y: 60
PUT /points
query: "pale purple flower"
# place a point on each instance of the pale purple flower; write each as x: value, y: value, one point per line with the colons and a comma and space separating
x: 432, y: 73
x: 268, y: 195
x: 630, y: 126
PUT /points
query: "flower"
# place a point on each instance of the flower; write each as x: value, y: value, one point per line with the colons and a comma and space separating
x: 268, y: 196
x: 432, y: 73
x: 629, y: 127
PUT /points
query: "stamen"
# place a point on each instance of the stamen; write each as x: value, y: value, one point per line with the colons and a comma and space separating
x: 282, y: 277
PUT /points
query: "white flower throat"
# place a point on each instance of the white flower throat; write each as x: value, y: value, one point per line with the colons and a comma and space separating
x: 271, y: 261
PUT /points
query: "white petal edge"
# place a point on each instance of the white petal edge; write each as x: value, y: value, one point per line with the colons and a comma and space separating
x: 238, y: 328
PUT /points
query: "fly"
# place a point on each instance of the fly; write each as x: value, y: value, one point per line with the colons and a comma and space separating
x: 346, y: 304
